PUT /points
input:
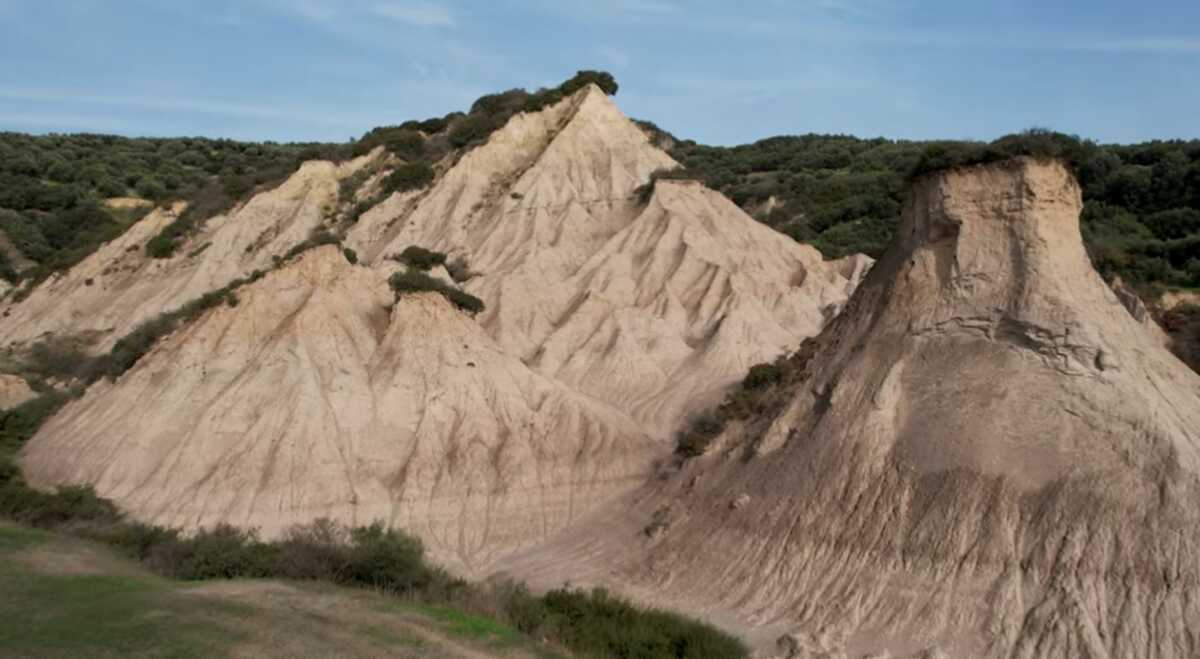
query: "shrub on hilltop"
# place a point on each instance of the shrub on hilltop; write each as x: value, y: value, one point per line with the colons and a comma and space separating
x: 413, y: 281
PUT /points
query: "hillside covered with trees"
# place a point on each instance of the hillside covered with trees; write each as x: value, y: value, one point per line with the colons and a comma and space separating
x: 844, y: 194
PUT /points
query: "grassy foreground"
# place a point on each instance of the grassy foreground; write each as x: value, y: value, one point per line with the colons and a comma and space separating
x: 65, y: 597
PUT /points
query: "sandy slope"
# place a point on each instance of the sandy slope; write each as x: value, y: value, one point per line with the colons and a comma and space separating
x: 987, y: 456
x: 610, y: 318
x: 653, y: 306
x: 314, y: 397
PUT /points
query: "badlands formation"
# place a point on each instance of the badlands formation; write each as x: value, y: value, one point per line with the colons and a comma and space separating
x: 984, y: 455
x: 611, y: 316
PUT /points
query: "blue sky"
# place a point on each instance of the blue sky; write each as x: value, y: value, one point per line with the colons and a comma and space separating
x: 716, y: 71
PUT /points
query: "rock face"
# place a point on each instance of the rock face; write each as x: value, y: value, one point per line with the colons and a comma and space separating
x: 985, y: 455
x: 612, y: 312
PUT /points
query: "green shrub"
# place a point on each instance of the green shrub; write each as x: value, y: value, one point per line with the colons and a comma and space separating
x: 762, y: 375
x: 318, y: 551
x: 351, y: 255
x: 598, y: 624
x: 412, y: 281
x: 695, y: 440
x: 54, y: 358
x: 411, y: 176
x: 386, y: 559
x: 421, y: 258
x: 223, y: 552
x: 644, y: 192
x: 68, y: 505
x: 474, y: 129
x: 18, y: 424
x: 601, y: 79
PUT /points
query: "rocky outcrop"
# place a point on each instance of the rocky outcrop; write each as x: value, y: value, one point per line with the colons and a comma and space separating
x: 984, y: 455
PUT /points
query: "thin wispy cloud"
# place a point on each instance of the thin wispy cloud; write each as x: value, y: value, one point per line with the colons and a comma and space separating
x: 60, y: 122
x: 172, y: 104
x: 1153, y: 45
x: 420, y: 15
x: 614, y: 56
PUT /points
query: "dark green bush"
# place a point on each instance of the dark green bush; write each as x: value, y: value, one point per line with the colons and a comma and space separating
x: 601, y: 79
x: 403, y: 141
x: 53, y: 358
x: 411, y: 176
x: 695, y: 440
x: 762, y: 375
x: 18, y: 424
x: 351, y: 255
x: 421, y: 258
x: 644, y: 192
x: 412, y: 281
x: 598, y: 624
x: 474, y: 129
x: 48, y: 510
x: 386, y: 559
x: 223, y: 552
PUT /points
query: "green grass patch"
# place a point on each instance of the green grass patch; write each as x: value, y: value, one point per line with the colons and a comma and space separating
x: 470, y: 626
x: 100, y: 615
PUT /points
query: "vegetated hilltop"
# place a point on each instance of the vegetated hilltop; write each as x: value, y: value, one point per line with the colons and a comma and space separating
x: 478, y: 344
x: 843, y: 195
x: 53, y: 188
x: 984, y: 455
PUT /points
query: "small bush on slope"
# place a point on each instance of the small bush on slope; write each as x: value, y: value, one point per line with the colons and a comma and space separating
x: 421, y: 258
x: 411, y: 176
x: 412, y: 281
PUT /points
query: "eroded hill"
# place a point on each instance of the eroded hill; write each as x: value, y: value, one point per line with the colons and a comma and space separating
x: 984, y: 455
x: 611, y: 313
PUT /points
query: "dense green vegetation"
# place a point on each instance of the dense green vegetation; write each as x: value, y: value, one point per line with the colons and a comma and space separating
x: 409, y: 176
x: 52, y: 187
x: 844, y: 195
x: 415, y: 281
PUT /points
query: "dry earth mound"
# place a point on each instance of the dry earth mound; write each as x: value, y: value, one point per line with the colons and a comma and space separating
x: 985, y: 455
x: 613, y: 310
x: 652, y: 300
x: 317, y: 397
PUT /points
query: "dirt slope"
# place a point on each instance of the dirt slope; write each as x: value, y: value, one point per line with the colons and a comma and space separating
x: 611, y: 315
x: 314, y: 397
x: 984, y: 455
x: 654, y: 306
